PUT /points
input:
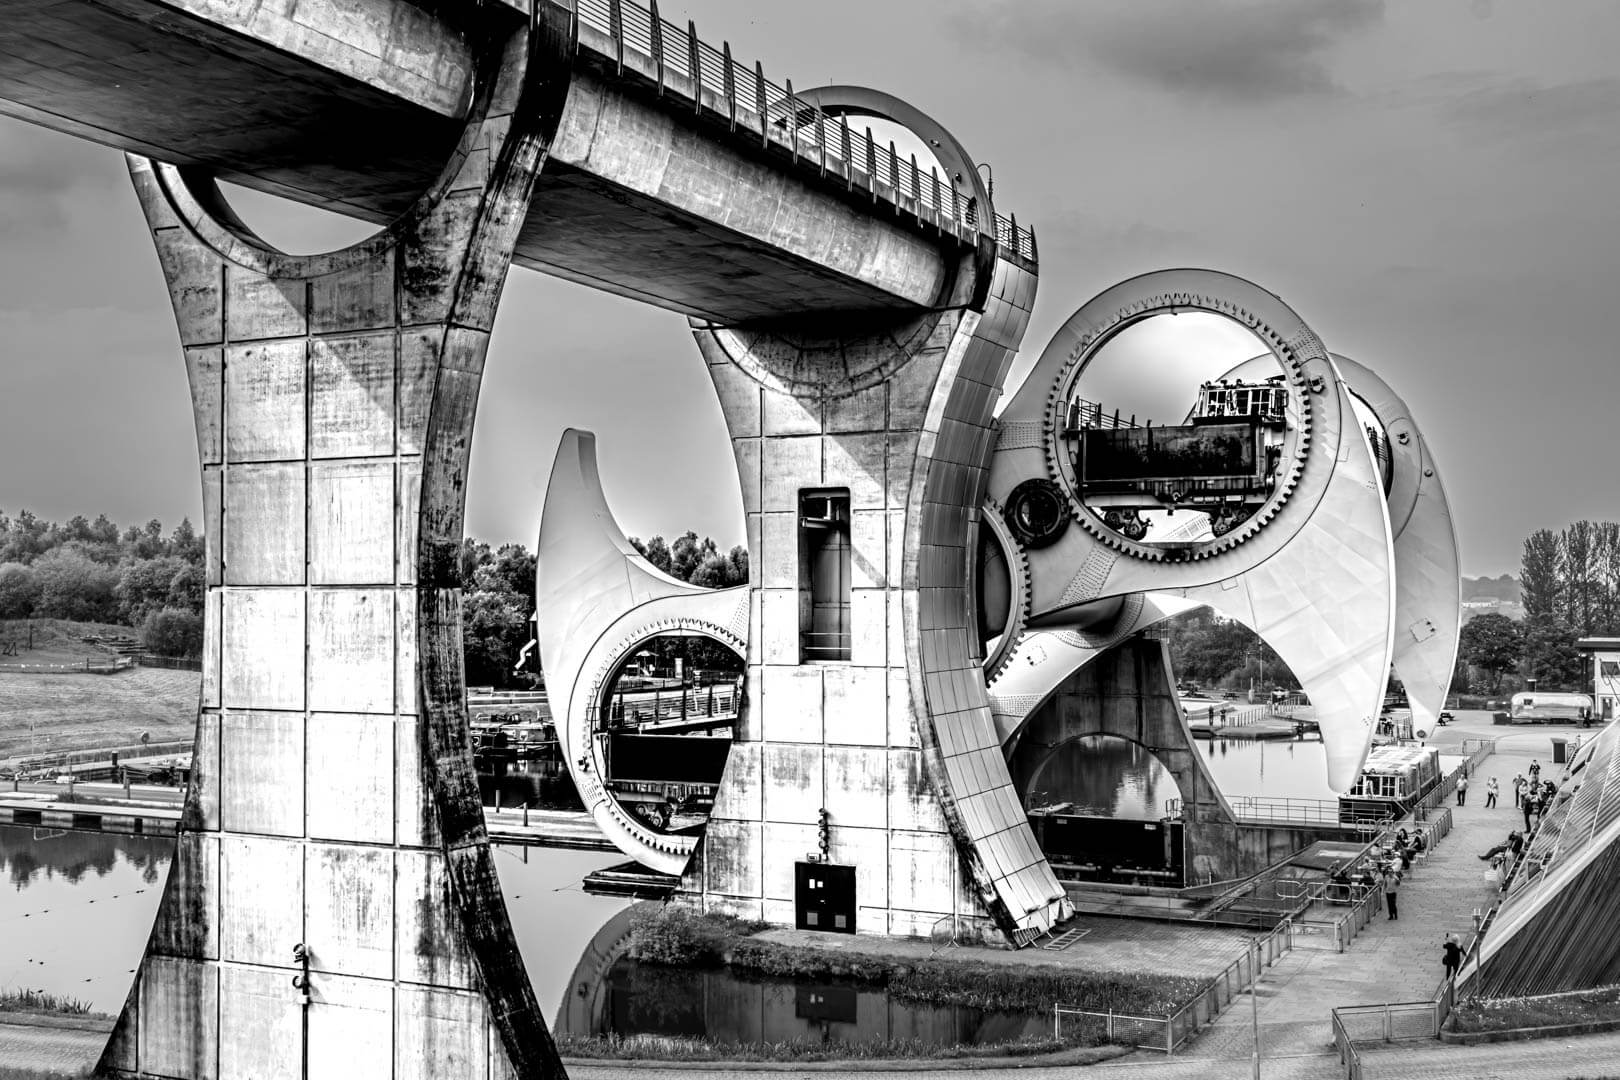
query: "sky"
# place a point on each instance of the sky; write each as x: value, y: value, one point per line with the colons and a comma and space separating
x: 1431, y: 186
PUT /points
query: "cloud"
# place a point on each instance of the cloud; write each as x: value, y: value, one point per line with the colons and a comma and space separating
x: 1245, y: 51
x: 1518, y: 108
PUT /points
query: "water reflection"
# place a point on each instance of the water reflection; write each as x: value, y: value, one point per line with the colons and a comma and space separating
x: 76, y: 917
x: 1106, y: 776
x: 1273, y: 767
x: 610, y: 994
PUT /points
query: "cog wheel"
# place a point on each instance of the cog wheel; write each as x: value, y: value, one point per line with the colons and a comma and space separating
x: 1305, y: 385
x: 1020, y: 596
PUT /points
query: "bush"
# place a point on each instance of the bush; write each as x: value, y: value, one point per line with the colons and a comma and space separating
x: 172, y: 632
x: 680, y: 937
x: 1002, y: 987
x: 72, y: 586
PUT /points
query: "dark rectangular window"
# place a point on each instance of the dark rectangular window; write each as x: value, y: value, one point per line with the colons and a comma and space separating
x: 824, y: 567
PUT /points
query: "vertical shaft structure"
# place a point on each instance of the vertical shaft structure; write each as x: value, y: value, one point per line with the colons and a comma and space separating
x: 333, y: 904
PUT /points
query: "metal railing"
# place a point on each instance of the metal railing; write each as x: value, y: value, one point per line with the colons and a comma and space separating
x: 749, y: 101
x: 1170, y: 1031
x: 1296, y: 811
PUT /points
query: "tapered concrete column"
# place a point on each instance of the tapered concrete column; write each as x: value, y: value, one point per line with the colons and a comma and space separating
x: 896, y: 741
x: 333, y: 907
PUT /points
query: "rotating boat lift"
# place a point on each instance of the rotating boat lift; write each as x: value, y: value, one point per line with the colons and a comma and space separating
x: 1346, y: 564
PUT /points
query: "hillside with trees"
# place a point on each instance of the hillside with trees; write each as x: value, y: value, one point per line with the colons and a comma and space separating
x: 151, y: 580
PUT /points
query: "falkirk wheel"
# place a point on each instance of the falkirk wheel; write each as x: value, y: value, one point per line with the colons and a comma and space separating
x: 939, y: 599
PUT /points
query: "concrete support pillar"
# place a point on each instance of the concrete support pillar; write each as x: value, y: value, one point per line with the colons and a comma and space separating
x: 896, y: 741
x: 1129, y: 693
x: 333, y: 906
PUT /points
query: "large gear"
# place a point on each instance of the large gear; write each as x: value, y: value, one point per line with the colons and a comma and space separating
x: 1019, y: 596
x: 1061, y: 470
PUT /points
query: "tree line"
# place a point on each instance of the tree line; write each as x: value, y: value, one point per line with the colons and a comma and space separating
x: 152, y: 581
x: 1569, y: 583
x: 94, y: 571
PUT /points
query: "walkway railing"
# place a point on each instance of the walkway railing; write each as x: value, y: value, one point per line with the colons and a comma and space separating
x: 1169, y: 1032
x: 750, y: 101
x: 1292, y: 811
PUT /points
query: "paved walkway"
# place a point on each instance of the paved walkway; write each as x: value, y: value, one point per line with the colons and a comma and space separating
x: 1389, y: 961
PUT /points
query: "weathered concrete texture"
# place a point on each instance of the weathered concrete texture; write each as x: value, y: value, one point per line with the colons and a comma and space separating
x: 1129, y: 693
x: 353, y: 106
x: 335, y: 807
x: 887, y: 742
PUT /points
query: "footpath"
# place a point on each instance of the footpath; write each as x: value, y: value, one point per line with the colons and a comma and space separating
x: 1389, y: 961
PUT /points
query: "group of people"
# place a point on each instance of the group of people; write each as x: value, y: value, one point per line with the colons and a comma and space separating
x: 1533, y: 795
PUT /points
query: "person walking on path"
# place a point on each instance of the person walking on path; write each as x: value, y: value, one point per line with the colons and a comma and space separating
x: 1462, y: 789
x: 1392, y: 885
x: 1491, y: 790
x: 1518, y: 790
x: 1530, y: 806
x: 1451, y: 956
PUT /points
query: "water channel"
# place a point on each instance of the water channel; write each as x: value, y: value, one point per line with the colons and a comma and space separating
x: 79, y: 905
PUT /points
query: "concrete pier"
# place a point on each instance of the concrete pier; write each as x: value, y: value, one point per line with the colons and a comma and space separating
x: 333, y: 902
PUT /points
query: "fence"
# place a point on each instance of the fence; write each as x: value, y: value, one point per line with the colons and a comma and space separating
x: 1290, y: 811
x: 87, y: 665
x: 173, y: 663
x: 749, y: 101
x: 1169, y: 1032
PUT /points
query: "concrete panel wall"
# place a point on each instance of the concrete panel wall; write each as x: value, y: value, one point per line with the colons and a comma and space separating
x: 896, y: 743
x: 313, y: 923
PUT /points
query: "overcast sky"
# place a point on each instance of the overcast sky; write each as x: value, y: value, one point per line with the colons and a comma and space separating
x: 1433, y: 186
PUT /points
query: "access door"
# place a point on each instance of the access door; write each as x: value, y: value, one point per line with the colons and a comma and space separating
x: 824, y: 897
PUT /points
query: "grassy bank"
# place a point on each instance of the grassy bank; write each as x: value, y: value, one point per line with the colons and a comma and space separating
x: 39, y: 1001
x: 667, y: 1048
x: 1505, y: 1014
x: 49, y: 712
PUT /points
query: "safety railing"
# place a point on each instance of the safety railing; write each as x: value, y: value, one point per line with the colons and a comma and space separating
x: 1170, y: 1031
x: 750, y: 101
x: 1291, y: 811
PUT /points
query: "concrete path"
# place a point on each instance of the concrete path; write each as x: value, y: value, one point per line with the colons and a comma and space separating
x: 43, y: 1046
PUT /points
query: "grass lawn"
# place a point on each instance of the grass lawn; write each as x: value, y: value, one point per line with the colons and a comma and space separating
x: 80, y: 712
x: 69, y: 711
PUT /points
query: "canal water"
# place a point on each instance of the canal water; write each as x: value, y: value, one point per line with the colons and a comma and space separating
x: 77, y: 907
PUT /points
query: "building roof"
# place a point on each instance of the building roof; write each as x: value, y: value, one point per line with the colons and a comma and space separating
x: 1598, y: 644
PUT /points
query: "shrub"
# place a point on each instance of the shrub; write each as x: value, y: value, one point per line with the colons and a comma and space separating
x: 172, y: 632
x: 681, y: 937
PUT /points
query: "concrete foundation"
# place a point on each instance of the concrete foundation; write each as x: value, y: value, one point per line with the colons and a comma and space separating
x: 333, y: 904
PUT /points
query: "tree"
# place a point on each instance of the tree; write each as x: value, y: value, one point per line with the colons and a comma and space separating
x: 1550, y: 656
x: 144, y: 585
x: 72, y: 586
x: 1492, y: 643
x: 1541, y: 573
x: 1578, y: 543
x: 719, y: 571
x: 19, y: 591
x: 654, y: 551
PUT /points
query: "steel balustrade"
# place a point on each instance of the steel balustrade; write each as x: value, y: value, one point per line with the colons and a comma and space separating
x: 783, y: 118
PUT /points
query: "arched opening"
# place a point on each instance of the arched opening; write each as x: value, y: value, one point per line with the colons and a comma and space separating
x: 1101, y: 808
x: 665, y: 722
x: 1168, y: 450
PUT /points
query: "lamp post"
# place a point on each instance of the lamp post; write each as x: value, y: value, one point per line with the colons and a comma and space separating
x: 989, y: 178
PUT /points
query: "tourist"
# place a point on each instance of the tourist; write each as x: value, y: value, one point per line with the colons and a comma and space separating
x: 1392, y: 884
x: 1451, y: 956
x: 1532, y: 806
x: 1518, y: 789
x: 1491, y: 789
x: 1535, y: 772
x: 1462, y: 789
